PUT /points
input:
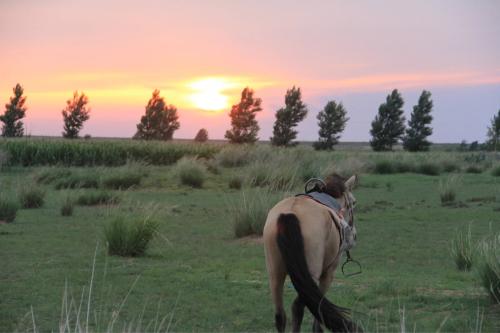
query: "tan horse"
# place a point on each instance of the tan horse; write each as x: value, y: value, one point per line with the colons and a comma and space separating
x: 301, y: 240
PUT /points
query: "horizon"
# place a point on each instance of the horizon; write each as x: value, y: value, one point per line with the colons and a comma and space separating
x: 118, y: 52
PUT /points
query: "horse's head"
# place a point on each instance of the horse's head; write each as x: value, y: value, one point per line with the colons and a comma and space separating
x: 341, y: 190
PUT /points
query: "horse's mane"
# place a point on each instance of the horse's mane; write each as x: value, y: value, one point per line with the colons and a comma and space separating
x: 335, y: 185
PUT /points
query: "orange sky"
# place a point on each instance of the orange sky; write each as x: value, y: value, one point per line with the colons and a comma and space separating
x: 118, y: 52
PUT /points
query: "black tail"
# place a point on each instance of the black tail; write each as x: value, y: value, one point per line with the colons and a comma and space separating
x: 291, y: 245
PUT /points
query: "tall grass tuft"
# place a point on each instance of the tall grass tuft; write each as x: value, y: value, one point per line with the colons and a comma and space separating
x: 249, y: 212
x: 489, y: 266
x: 473, y: 169
x: 82, y: 179
x: 448, y: 189
x: 4, y: 159
x: 31, y: 197
x: 129, y: 237
x: 8, y: 209
x: 235, y: 182
x: 233, y: 156
x: 94, y: 198
x: 462, y: 250
x: 51, y: 174
x: 121, y: 180
x: 190, y: 172
x: 67, y: 207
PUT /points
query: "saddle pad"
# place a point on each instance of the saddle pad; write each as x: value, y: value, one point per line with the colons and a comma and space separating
x: 323, y: 199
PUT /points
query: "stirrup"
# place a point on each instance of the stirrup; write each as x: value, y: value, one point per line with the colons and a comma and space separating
x: 317, y: 184
x: 348, y: 260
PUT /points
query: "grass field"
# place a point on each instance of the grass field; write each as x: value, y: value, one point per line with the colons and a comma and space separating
x: 197, y: 276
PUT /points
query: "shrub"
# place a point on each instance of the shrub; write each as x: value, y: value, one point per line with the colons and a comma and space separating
x: 8, y: 209
x: 67, y: 207
x: 447, y: 189
x: 190, y: 172
x: 489, y: 266
x: 94, y: 198
x: 122, y: 180
x: 31, y: 197
x: 496, y: 171
x: 235, y: 182
x: 430, y: 169
x: 462, y: 250
x: 250, y: 211
x: 473, y: 169
x: 129, y: 237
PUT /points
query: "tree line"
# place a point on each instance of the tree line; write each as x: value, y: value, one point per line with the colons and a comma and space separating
x: 160, y: 121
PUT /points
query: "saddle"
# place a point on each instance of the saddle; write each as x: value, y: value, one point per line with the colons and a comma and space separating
x: 346, y: 232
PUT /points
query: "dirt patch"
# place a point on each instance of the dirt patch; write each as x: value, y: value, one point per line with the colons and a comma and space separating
x: 3, y: 222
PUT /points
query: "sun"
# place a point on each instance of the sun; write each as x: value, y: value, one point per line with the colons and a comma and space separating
x: 208, y: 94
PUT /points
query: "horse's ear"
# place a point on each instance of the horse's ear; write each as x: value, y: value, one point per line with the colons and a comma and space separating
x: 351, y: 183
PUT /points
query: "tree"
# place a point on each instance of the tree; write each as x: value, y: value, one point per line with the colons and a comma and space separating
x: 418, y: 129
x: 388, y: 126
x: 494, y: 132
x: 331, y: 121
x: 287, y: 118
x: 244, y: 125
x: 160, y: 120
x: 14, y: 112
x: 75, y: 114
x: 201, y: 136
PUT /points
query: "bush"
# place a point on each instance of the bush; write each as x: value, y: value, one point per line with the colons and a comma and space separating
x: 473, y: 169
x: 235, y: 182
x: 496, y: 171
x: 67, y: 207
x: 8, y: 209
x: 122, y: 180
x: 249, y: 213
x: 462, y: 250
x: 94, y: 198
x: 430, y: 169
x: 129, y: 237
x: 489, y: 266
x: 190, y: 172
x: 31, y: 197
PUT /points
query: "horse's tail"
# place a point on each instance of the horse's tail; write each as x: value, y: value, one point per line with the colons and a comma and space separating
x: 291, y: 245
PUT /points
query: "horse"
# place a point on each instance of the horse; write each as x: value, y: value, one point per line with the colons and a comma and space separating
x: 302, y: 240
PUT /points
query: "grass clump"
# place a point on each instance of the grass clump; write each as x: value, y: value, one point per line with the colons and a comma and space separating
x: 190, y: 172
x: 8, y: 209
x: 235, y: 182
x: 473, y: 169
x: 430, y: 169
x: 50, y: 175
x: 384, y: 167
x: 67, y: 207
x: 129, y: 237
x: 94, y: 198
x: 496, y: 171
x: 249, y: 213
x: 233, y: 156
x: 489, y: 266
x: 31, y: 197
x: 81, y: 180
x: 122, y: 180
x: 448, y: 190
x: 450, y: 166
x: 462, y: 249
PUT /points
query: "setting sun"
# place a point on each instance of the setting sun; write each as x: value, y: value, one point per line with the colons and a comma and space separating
x: 208, y: 94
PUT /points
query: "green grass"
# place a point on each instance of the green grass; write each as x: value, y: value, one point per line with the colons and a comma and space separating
x: 197, y: 271
x: 97, y: 197
x: 191, y: 172
x: 8, y: 209
x: 462, y: 249
x: 489, y: 266
x: 31, y: 196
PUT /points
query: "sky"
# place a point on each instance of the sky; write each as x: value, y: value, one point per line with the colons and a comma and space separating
x: 201, y: 54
